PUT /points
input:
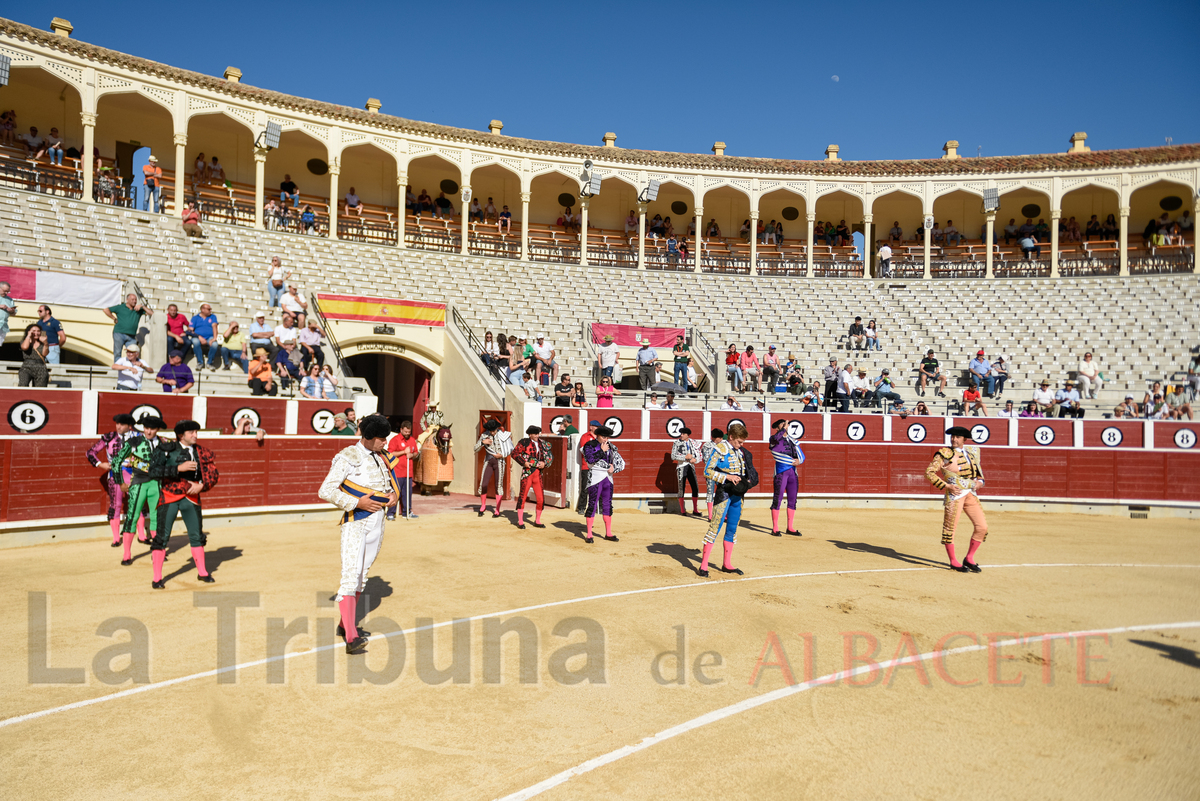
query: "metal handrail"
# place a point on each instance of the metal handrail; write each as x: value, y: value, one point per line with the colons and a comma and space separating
x: 476, y: 344
x: 315, y: 307
x: 705, y: 350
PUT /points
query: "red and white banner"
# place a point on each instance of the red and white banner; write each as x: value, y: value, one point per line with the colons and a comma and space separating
x: 632, y: 335
x: 68, y: 289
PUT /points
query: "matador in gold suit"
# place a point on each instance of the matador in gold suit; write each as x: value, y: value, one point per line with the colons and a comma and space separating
x: 956, y: 470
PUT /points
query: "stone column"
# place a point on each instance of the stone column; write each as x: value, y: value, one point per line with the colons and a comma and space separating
x: 991, y: 249
x: 464, y: 248
x: 583, y: 222
x: 401, y: 211
x: 699, y: 235
x: 1123, y: 244
x: 754, y: 236
x: 525, y: 225
x: 88, y: 160
x: 808, y: 251
x: 180, y: 172
x: 926, y: 230
x: 335, y: 169
x: 1055, y: 216
x: 868, y: 245
x: 260, y: 170
x: 641, y: 207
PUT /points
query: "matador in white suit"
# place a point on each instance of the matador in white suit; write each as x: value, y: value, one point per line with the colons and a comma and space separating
x: 362, y: 483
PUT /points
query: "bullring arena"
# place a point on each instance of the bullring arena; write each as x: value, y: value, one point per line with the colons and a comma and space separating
x: 507, y: 662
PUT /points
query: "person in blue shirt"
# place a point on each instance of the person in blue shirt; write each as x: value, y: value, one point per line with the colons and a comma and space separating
x: 55, y: 336
x: 204, y: 334
x: 981, y: 372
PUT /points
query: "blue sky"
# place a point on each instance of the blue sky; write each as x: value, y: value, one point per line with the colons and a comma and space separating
x: 679, y: 76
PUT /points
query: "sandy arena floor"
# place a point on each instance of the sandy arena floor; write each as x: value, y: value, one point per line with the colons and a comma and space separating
x: 1113, y: 716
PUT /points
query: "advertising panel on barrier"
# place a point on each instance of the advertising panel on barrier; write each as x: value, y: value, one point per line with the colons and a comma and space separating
x: 753, y: 421
x: 269, y: 414
x: 1045, y: 432
x: 171, y: 408
x: 667, y: 424
x: 858, y: 428
x: 808, y: 427
x: 991, y: 431
x: 1177, y: 436
x: 1113, y: 433
x: 41, y: 411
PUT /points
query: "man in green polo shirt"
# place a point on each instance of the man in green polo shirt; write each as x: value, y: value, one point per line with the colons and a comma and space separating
x: 126, y: 317
x: 682, y: 355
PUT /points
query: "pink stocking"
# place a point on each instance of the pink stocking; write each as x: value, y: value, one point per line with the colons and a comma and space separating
x: 704, y: 559
x: 695, y: 506
x: 115, y: 525
x: 774, y: 520
x: 590, y: 520
x: 950, y: 552
x: 791, y: 516
x: 483, y: 503
x: 710, y: 512
x: 141, y: 529
x: 537, y: 518
x: 607, y: 525
x: 128, y: 542
x: 728, y: 555
x: 971, y: 551
x: 158, y: 557
x: 347, y: 606
x: 198, y: 558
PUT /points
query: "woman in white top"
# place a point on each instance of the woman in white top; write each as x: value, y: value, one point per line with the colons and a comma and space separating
x: 276, y: 276
x: 200, y: 171
x: 1090, y: 381
x: 319, y: 384
x: 872, y: 333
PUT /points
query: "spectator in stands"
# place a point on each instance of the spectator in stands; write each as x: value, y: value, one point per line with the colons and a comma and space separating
x: 204, y: 336
x: 750, y: 369
x: 668, y: 228
x: 885, y: 389
x: 1111, y: 229
x: 733, y: 368
x: 130, y: 369
x: 216, y: 173
x: 1128, y: 408
x: 126, y: 318
x: 1011, y: 231
x: 951, y: 234
x: 606, y: 356
x: 861, y: 391
x: 973, y: 400
x: 475, y: 212
x: 871, y: 330
x: 1177, y: 400
x: 760, y: 230
x: 245, y: 427
x: 937, y: 236
x: 1008, y: 411
x: 342, y: 427
x: 353, y: 203
x: 260, y: 375
x: 812, y: 398
x: 684, y: 253
x: 669, y: 404
x: 692, y: 379
x: 605, y: 392
x: 647, y: 364
x: 885, y: 260
x: 199, y: 171
x: 262, y: 335
x: 1186, y: 223
x: 929, y: 371
x: 672, y: 251
x: 731, y: 405
x: 842, y: 388
x: 317, y: 385
x: 286, y: 332
x: 504, y: 223
x: 1000, y: 374
x: 1042, y: 230
x: 1157, y: 408
x: 579, y: 399
x: 1031, y: 409
x: 921, y: 409
x: 713, y: 231
x: 108, y: 183
x: 52, y: 146
x: 287, y: 364
x: 489, y: 211
x: 795, y: 379
x: 308, y: 221
x: 191, y: 220
x: 152, y: 181
x: 1028, y: 229
x: 545, y: 362
x: 857, y: 337
x: 744, y: 231
x: 1030, y: 247
x: 32, y: 142
x: 772, y: 370
x: 1043, y: 399
x: 1094, y: 229
x: 1067, y: 399
x: 631, y: 224
x: 532, y: 390
x: 288, y: 189
x: 656, y: 229
x: 844, y: 236
x: 830, y: 374
x: 56, y: 337
x: 424, y: 202
x: 233, y: 348
x: 177, y: 333
x: 564, y: 392
x: 489, y: 354
x: 309, y: 343
x: 897, y: 233
x: 518, y: 362
x: 652, y: 401
x: 981, y: 372
x: 175, y: 376
x: 443, y: 208
x: 295, y: 305
x: 681, y: 354
x: 1090, y: 380
x: 7, y: 309
x: 1072, y: 233
x: 276, y: 278
x: 8, y: 124
x: 831, y: 237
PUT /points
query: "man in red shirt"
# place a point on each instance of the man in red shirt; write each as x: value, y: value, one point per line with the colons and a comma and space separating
x: 404, y: 446
x: 581, y: 505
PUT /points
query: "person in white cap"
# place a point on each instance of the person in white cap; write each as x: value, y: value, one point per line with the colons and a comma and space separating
x: 130, y: 369
x: 647, y: 364
x: 152, y: 180
x: 545, y: 360
x: 262, y: 335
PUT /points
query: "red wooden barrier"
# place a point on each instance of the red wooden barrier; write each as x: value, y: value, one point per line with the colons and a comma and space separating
x: 1177, y: 435
x: 40, y: 411
x: 171, y: 408
x: 753, y: 421
x: 316, y: 417
x: 1044, y: 432
x: 1112, y: 433
x: 804, y: 427
x: 856, y: 428
x: 984, y: 430
x: 269, y: 414
x: 666, y: 425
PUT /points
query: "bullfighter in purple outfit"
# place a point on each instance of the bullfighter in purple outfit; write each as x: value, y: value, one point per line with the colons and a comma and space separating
x: 603, y: 461
x: 102, y: 455
x: 788, y: 458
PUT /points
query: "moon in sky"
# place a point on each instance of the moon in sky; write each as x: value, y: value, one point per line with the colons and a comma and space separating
x: 835, y: 79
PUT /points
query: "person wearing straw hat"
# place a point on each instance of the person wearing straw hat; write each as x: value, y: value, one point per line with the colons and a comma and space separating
x: 607, y: 356
x: 956, y: 470
x: 647, y: 364
x: 152, y: 179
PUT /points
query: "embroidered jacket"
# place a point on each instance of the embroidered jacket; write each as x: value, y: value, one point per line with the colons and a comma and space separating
x: 955, y: 470
x: 684, y: 452
x: 356, y: 472
x: 135, y: 454
x: 528, y: 453
x: 785, y: 449
x: 598, y: 461
x: 164, y: 466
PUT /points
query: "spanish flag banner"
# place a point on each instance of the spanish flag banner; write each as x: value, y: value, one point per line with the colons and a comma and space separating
x: 382, y: 310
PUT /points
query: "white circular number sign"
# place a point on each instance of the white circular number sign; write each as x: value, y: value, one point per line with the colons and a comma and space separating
x: 616, y: 425
x: 1185, y: 438
x: 980, y: 434
x: 1112, y: 436
x: 795, y: 429
x: 856, y: 431
x: 1043, y: 435
x: 674, y: 426
x: 28, y: 416
x: 145, y: 409
x: 246, y: 411
x: 916, y: 433
x: 322, y: 421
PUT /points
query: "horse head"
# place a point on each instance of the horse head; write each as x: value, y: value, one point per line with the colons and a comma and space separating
x: 443, y: 439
